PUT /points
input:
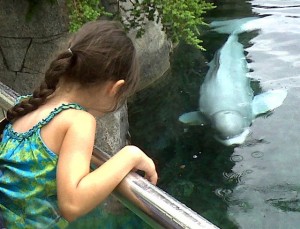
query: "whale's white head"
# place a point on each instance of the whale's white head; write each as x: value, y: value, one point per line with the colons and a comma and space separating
x: 228, y: 124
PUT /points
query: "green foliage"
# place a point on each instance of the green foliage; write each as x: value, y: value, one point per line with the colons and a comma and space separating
x: 180, y: 18
x: 82, y: 11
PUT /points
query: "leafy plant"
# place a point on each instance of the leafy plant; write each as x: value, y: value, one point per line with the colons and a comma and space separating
x: 82, y: 11
x: 180, y: 18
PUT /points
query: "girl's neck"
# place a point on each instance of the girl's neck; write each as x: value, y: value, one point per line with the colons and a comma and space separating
x: 93, y: 99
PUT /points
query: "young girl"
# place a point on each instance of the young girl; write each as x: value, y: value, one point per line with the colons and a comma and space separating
x: 45, y: 178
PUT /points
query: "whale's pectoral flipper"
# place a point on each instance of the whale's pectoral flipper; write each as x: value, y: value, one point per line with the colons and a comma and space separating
x: 268, y: 101
x: 193, y: 118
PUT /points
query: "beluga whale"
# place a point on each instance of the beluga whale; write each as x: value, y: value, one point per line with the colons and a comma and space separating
x: 226, y: 100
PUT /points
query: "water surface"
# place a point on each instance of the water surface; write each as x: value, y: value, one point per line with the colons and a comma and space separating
x: 256, y: 184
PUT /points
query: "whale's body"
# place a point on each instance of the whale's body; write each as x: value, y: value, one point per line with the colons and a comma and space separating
x: 226, y: 99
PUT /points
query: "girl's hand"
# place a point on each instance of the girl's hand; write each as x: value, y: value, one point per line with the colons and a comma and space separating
x: 142, y: 162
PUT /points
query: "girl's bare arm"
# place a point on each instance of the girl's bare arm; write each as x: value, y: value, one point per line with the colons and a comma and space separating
x: 80, y: 190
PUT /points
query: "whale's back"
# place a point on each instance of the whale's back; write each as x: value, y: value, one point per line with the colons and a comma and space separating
x: 226, y: 85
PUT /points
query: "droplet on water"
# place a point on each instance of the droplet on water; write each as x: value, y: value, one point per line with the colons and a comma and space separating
x: 257, y: 154
x: 236, y: 158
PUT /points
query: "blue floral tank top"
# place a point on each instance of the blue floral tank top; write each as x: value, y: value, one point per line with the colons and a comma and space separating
x: 28, y: 196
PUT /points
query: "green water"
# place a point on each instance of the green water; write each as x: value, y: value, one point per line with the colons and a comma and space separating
x: 255, y: 185
x: 100, y: 218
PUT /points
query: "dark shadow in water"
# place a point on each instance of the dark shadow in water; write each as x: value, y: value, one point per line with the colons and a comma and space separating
x: 190, y: 162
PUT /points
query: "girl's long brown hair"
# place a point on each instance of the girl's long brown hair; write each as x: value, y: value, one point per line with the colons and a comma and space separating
x: 100, y: 51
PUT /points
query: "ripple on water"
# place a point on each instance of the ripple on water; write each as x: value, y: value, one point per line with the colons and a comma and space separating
x: 223, y: 193
x: 247, y: 171
x: 236, y: 177
x: 257, y: 154
x: 236, y: 158
x: 286, y: 205
x: 232, y: 177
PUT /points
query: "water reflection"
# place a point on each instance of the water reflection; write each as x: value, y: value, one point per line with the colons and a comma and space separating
x: 272, y: 188
x: 255, y: 185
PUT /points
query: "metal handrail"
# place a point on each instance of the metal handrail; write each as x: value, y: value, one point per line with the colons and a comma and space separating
x: 150, y: 203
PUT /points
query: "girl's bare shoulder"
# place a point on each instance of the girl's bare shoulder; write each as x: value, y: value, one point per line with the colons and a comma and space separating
x: 75, y: 123
x: 75, y: 117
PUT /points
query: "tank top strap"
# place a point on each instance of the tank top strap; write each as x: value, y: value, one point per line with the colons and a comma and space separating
x: 22, y: 97
x: 43, y: 122
x: 57, y: 110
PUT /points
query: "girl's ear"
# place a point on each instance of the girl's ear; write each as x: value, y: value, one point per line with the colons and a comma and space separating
x: 116, y: 87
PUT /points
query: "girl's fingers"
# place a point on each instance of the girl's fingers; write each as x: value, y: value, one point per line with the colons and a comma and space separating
x: 151, y: 174
x: 153, y: 179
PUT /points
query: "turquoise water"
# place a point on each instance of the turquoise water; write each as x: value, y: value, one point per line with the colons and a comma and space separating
x: 256, y: 184
x: 100, y: 217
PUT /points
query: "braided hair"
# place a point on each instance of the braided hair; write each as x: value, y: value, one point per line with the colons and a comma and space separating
x: 100, y: 51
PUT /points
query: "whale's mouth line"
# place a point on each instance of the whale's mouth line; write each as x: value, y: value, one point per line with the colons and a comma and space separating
x: 227, y: 112
x: 235, y: 140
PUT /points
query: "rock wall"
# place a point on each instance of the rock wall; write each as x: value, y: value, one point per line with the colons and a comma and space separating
x: 153, y: 51
x: 27, y: 47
